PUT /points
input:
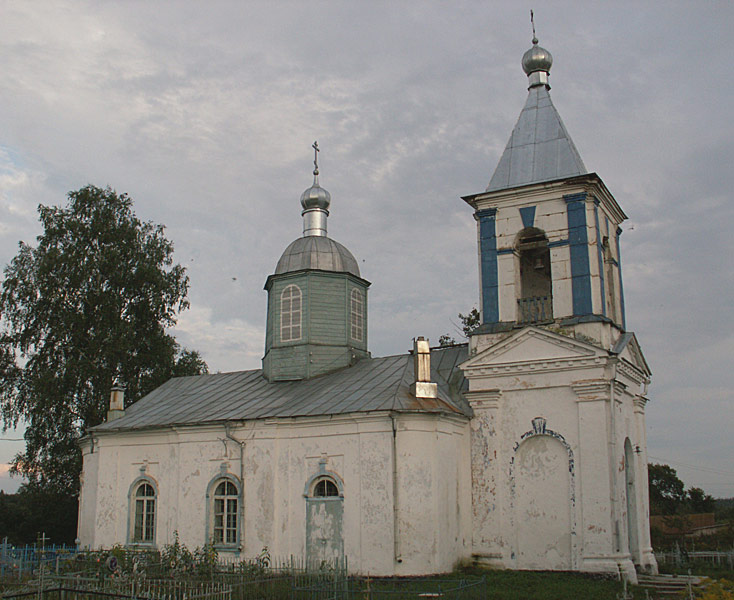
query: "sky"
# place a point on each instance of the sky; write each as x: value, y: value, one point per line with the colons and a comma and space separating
x: 204, y: 113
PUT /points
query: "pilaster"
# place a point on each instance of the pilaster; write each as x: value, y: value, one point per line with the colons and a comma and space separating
x: 597, y: 543
x: 485, y: 474
x: 489, y: 287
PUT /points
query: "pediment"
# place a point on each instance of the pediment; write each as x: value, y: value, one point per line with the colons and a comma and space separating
x: 534, y: 345
x: 628, y: 348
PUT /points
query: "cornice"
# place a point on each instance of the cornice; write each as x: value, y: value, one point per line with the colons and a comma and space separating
x: 591, y: 390
x: 590, y: 184
x: 627, y: 369
x: 640, y: 402
x: 535, y: 366
x: 478, y: 399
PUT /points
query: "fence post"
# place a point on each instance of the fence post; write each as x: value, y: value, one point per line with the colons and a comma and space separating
x: 4, y: 557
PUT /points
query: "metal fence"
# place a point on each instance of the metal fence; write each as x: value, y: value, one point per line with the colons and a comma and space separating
x: 680, y: 557
x: 126, y: 574
x: 23, y: 561
x: 353, y: 588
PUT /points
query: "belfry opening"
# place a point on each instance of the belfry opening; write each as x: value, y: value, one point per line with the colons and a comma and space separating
x: 535, y: 302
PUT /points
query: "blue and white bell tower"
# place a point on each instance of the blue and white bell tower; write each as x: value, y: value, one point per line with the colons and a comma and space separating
x: 548, y: 229
x: 557, y: 384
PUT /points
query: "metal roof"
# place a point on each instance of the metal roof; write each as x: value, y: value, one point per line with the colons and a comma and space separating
x: 372, y: 384
x: 539, y: 149
x: 317, y: 252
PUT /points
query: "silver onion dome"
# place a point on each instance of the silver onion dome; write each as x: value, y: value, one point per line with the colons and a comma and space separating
x: 537, y: 63
x: 315, y: 202
x: 315, y: 196
x: 536, y: 59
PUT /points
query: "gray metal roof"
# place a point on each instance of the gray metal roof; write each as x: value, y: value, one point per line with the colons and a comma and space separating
x: 317, y: 252
x: 539, y: 149
x: 372, y: 384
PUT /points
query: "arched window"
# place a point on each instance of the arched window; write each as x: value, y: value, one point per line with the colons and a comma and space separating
x: 290, y: 314
x: 357, y: 315
x: 224, y: 513
x: 143, y: 499
x: 325, y: 488
x: 535, y: 302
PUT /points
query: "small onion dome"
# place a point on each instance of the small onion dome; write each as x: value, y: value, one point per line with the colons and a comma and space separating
x: 315, y: 196
x: 536, y: 59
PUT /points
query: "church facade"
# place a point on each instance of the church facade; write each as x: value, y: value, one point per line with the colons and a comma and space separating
x: 524, y: 448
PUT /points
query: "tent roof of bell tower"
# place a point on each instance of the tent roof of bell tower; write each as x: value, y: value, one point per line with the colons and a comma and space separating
x: 539, y: 148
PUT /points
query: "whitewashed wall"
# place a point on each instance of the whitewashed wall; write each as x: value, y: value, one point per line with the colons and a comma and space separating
x: 432, y: 480
x: 538, y: 385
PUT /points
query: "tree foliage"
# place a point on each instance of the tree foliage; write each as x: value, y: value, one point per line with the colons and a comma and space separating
x: 469, y: 322
x: 667, y: 492
x: 89, y: 305
x: 668, y: 495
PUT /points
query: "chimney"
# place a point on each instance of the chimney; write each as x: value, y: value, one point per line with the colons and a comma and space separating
x: 117, y: 402
x: 422, y: 388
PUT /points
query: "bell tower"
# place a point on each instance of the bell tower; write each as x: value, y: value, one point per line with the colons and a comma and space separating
x: 557, y: 385
x: 548, y: 230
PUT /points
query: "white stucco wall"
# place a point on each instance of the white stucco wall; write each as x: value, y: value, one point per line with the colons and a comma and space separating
x: 280, y: 456
x: 538, y: 384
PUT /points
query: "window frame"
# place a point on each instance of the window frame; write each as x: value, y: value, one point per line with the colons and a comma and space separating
x: 309, y: 491
x: 288, y: 330
x: 356, y: 315
x: 212, y: 498
x: 148, y: 512
x: 330, y: 490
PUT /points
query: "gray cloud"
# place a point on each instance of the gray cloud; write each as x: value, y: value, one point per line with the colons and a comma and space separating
x: 205, y: 115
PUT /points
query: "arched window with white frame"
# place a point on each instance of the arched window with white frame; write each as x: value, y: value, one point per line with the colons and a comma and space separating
x: 357, y: 315
x: 290, y: 314
x: 143, y: 508
x: 225, y: 507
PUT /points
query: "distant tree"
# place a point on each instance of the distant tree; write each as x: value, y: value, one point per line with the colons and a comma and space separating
x: 699, y: 501
x: 446, y: 340
x: 89, y: 305
x: 667, y: 492
x: 469, y: 322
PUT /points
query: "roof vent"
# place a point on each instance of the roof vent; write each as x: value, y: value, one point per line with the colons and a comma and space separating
x: 422, y: 388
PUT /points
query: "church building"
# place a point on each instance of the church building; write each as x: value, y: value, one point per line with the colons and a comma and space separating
x: 523, y: 449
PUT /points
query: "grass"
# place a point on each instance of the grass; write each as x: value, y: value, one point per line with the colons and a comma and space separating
x: 499, y: 585
x: 534, y: 585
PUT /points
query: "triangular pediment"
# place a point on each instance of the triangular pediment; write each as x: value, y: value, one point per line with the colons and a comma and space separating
x: 533, y: 345
x: 628, y: 348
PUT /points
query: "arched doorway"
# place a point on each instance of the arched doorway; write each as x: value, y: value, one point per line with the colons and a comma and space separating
x: 631, y: 494
x: 324, y: 516
x: 543, y: 504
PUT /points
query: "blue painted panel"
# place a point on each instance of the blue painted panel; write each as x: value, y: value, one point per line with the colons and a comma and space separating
x: 488, y: 262
x: 528, y: 216
x: 600, y: 252
x: 621, y: 289
x: 579, y: 250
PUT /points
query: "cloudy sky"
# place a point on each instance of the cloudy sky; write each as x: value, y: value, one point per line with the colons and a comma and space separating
x: 205, y: 114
